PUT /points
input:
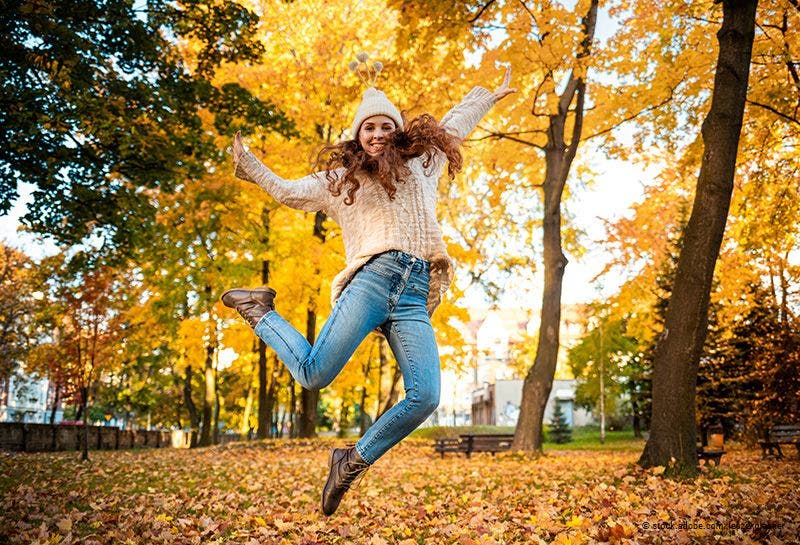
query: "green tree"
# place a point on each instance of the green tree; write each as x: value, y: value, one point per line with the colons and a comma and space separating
x: 606, y: 341
x: 727, y: 380
x: 101, y: 105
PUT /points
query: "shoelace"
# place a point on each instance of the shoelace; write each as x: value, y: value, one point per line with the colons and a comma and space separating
x: 245, y: 308
x: 354, y: 476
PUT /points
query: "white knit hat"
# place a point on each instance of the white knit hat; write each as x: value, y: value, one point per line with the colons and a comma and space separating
x: 375, y: 102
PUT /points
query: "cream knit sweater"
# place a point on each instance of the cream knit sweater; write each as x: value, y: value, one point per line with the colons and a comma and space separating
x: 374, y: 223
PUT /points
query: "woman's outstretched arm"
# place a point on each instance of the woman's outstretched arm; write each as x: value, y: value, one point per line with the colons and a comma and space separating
x: 309, y: 193
x: 463, y: 118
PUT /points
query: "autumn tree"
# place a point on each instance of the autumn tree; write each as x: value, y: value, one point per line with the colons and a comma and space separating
x: 673, y: 431
x: 762, y: 224
x: 560, y: 149
x: 17, y: 308
x: 84, y: 320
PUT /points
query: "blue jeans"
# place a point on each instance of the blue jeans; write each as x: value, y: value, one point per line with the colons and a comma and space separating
x: 389, y: 292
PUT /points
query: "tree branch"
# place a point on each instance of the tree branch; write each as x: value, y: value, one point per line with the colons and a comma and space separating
x: 480, y: 12
x: 505, y: 136
x: 632, y: 117
x: 776, y: 112
x: 577, y: 127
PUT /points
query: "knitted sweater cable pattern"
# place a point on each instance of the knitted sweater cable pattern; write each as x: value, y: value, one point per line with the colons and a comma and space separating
x: 375, y: 223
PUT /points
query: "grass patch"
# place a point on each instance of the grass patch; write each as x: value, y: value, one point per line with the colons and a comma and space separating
x: 583, y: 438
x: 588, y: 438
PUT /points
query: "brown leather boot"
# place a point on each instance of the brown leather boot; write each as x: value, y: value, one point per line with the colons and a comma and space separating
x: 251, y: 304
x: 346, y: 465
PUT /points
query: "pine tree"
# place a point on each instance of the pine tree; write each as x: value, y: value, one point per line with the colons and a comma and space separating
x: 560, y: 432
x: 748, y: 376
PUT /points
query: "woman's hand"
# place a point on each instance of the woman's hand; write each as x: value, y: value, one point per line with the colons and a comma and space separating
x: 504, y: 90
x: 238, y: 146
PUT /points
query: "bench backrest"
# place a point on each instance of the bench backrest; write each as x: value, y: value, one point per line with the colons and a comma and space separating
x: 789, y: 431
x: 491, y: 442
x: 488, y: 435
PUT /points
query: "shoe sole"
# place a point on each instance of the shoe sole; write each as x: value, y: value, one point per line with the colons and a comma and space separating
x: 231, y: 305
x: 330, y: 469
x: 330, y: 466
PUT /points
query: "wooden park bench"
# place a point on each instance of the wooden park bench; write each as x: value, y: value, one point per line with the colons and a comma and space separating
x: 474, y: 442
x: 784, y: 434
x: 707, y: 455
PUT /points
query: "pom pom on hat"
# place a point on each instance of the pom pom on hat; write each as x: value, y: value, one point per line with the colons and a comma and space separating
x: 373, y: 102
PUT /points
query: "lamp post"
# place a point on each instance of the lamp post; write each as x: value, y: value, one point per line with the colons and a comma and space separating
x: 602, y: 390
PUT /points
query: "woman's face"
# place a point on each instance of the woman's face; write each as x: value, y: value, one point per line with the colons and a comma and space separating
x: 374, y: 133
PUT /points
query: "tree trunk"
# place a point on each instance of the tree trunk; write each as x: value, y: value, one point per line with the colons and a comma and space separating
x: 309, y: 399
x: 85, y: 407
x: 264, y: 404
x: 194, y: 417
x: 263, y: 384
x: 637, y: 421
x: 215, y: 419
x: 274, y: 376
x: 558, y: 160
x: 292, y: 409
x: 244, y: 428
x: 673, y: 430
x: 344, y: 419
x: 208, y: 397
x: 55, y: 404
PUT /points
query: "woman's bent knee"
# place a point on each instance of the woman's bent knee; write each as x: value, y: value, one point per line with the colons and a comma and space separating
x: 426, y: 402
x: 311, y: 379
x: 314, y: 382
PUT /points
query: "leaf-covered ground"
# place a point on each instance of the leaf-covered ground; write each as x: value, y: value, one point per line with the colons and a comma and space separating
x: 269, y: 492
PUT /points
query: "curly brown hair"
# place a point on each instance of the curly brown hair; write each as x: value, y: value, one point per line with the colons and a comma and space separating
x: 421, y: 137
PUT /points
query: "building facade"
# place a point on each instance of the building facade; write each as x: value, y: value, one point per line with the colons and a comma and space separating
x: 498, y: 404
x: 27, y: 398
x: 499, y: 346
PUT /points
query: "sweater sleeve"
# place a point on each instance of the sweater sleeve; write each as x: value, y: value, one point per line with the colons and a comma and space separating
x: 462, y: 119
x: 309, y: 193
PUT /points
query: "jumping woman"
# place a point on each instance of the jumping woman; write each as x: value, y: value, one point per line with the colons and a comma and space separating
x: 381, y: 188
